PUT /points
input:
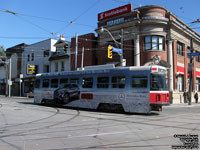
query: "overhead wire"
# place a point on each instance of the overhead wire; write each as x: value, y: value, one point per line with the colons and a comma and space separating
x: 17, y: 14
x: 71, y: 22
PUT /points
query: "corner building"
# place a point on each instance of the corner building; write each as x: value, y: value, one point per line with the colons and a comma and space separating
x: 150, y: 35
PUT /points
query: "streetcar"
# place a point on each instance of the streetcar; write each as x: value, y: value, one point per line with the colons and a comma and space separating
x: 134, y: 89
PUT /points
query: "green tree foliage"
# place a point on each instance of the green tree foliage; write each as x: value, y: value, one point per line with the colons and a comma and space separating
x: 2, y: 51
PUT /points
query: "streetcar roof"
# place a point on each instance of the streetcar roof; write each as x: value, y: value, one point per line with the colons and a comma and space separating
x: 94, y: 70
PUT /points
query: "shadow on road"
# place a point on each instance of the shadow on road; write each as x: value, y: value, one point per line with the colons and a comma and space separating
x: 92, y: 110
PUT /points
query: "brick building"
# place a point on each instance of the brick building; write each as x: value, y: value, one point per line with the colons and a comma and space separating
x: 148, y: 35
x: 89, y: 43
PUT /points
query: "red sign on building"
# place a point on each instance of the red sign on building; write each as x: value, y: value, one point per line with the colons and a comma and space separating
x: 115, y: 12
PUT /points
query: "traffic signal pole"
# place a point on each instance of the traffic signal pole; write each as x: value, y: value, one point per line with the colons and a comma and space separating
x: 121, y: 44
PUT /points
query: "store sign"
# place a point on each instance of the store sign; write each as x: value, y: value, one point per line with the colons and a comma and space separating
x: 114, y: 22
x: 115, y: 12
x: 31, y: 69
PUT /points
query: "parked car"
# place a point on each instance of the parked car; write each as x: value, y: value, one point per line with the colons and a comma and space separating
x: 66, y: 94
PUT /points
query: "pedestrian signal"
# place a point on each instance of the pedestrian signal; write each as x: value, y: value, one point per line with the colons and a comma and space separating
x: 110, y: 52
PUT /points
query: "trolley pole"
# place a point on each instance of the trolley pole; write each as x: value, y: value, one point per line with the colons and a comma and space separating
x: 190, y: 72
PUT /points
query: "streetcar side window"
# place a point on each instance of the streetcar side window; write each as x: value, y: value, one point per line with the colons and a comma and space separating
x: 102, y: 82
x: 74, y: 81
x: 37, y: 83
x: 87, y: 82
x: 45, y: 83
x: 63, y: 82
x: 139, y: 81
x: 118, y: 82
x: 54, y: 83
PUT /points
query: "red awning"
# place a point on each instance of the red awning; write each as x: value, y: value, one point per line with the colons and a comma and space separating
x: 197, y: 74
x: 180, y: 70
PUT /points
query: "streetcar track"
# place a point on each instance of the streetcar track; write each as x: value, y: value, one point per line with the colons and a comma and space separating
x: 124, y: 121
x: 119, y: 119
x: 4, y: 129
x: 36, y: 129
x: 108, y: 145
x: 142, y: 122
x: 34, y: 121
x: 161, y: 126
x: 108, y: 114
x: 4, y: 120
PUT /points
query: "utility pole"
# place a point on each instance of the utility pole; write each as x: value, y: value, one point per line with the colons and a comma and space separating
x: 190, y: 72
x: 82, y: 60
x: 76, y: 51
x: 10, y: 82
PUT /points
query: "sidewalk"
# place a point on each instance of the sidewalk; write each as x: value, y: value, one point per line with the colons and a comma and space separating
x: 185, y: 104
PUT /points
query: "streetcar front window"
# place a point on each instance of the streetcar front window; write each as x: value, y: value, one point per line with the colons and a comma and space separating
x: 158, y: 82
x: 37, y: 83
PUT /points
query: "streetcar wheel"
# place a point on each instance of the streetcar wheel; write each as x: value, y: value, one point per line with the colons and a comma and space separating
x: 66, y: 98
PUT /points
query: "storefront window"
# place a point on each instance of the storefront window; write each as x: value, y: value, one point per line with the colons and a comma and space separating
x: 154, y: 43
x: 197, y: 84
x: 180, y: 83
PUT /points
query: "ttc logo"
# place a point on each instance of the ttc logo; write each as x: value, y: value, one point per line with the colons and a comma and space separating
x: 101, y: 16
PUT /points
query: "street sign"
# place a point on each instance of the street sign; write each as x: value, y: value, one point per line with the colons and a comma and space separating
x: 193, y: 54
x: 117, y: 50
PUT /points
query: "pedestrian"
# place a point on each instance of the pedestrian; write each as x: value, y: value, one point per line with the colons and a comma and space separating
x: 185, y: 95
x: 196, y: 97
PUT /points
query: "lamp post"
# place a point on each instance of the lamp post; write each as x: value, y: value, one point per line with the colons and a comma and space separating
x: 120, y: 43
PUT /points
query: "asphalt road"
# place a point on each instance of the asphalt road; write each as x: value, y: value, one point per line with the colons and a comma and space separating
x: 26, y: 126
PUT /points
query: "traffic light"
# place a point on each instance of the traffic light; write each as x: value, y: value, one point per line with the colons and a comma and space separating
x: 110, y: 52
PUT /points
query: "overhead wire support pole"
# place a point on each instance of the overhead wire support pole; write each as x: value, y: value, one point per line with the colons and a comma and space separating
x: 10, y: 82
x: 76, y: 51
x: 82, y: 60
x: 122, y: 39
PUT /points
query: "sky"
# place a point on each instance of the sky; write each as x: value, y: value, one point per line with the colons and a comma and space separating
x: 31, y: 21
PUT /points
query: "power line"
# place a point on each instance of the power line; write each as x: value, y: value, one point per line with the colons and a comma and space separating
x: 19, y: 15
x: 71, y: 22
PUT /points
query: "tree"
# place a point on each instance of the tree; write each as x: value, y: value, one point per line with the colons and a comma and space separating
x: 2, y: 51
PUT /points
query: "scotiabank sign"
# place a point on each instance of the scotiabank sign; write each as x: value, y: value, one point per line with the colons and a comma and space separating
x: 115, y: 12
